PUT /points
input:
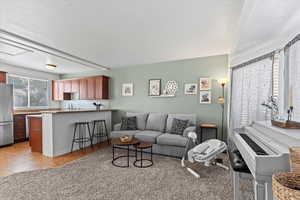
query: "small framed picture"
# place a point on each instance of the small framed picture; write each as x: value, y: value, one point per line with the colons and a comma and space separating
x: 127, y: 89
x: 154, y: 87
x: 205, y: 83
x: 190, y: 88
x: 205, y: 97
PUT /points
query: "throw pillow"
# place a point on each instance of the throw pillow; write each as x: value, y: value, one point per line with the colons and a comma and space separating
x: 128, y: 123
x: 178, y: 126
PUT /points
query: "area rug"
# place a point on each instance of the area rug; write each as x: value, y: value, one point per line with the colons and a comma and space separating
x: 94, y: 178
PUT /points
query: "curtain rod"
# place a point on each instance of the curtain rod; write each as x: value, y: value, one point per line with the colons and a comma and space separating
x: 254, y: 60
x: 293, y: 41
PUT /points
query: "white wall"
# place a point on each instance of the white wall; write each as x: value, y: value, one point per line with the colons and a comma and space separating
x: 11, y: 69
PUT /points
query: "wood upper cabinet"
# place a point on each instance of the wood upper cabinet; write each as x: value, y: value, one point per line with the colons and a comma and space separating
x: 74, y: 85
x: 67, y: 86
x: 2, y: 77
x: 91, y: 88
x: 61, y: 90
x: 83, y: 89
x: 101, y: 87
x: 57, y: 90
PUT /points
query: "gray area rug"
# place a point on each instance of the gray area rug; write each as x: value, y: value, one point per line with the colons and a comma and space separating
x: 94, y: 177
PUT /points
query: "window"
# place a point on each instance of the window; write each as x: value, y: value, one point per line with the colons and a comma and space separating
x: 29, y: 92
x: 251, y: 86
x: 294, y: 79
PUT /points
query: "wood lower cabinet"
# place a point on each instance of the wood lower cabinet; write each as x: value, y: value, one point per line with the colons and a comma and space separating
x: 90, y: 88
x: 35, y: 134
x: 19, y: 128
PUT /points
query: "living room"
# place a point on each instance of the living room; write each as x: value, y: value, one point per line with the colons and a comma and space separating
x: 149, y: 100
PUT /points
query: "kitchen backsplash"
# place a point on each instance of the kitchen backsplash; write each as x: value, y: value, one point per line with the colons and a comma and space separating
x: 85, y: 104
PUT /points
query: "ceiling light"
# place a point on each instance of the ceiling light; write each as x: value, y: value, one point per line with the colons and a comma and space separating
x: 50, y: 66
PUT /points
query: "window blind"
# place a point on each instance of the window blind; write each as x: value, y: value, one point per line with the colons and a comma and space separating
x: 251, y: 86
x: 276, y: 75
x: 294, y: 79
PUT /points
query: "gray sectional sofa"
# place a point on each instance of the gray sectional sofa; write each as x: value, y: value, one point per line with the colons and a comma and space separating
x: 155, y: 128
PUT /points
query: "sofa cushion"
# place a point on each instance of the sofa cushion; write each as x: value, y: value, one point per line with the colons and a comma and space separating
x: 178, y: 126
x: 117, y: 134
x: 172, y: 140
x: 156, y: 122
x: 141, y: 119
x: 190, y: 117
x: 147, y: 136
x: 128, y: 123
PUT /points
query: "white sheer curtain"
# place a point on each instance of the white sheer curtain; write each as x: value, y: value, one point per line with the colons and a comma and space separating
x: 294, y: 79
x: 251, y: 86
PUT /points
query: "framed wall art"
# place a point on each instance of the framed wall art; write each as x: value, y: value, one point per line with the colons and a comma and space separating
x: 154, y: 87
x: 190, y: 88
x: 204, y: 83
x: 205, y: 97
x: 127, y: 89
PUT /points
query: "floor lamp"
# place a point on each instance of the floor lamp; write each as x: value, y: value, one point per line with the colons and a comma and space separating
x: 221, y: 101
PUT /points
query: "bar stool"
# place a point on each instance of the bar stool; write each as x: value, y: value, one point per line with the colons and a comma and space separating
x: 99, y: 130
x: 81, y: 138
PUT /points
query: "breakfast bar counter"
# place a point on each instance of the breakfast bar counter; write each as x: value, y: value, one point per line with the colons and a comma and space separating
x: 58, y: 128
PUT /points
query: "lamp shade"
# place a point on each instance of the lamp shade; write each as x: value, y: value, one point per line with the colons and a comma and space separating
x: 221, y: 100
x: 222, y: 81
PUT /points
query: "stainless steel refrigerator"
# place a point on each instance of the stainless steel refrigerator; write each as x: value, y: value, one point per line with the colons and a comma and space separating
x: 6, y: 114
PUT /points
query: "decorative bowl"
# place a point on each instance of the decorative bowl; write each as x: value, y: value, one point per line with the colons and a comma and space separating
x: 125, y: 138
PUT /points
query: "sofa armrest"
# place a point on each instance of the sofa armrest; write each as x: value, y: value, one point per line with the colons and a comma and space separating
x: 189, y: 129
x: 117, y: 127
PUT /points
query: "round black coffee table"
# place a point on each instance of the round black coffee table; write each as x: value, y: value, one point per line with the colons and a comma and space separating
x: 117, y: 143
x: 139, y: 162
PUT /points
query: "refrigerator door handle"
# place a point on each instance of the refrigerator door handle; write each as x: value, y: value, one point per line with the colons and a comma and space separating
x: 5, y: 123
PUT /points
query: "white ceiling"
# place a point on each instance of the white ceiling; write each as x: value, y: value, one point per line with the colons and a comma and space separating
x: 264, y: 27
x: 118, y: 33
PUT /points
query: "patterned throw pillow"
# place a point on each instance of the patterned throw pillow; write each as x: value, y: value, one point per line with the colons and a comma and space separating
x: 178, y: 126
x: 128, y: 123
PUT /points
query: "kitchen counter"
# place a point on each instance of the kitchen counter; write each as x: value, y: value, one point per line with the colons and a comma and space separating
x: 58, y: 128
x: 33, y: 112
x: 53, y: 111
x: 77, y: 111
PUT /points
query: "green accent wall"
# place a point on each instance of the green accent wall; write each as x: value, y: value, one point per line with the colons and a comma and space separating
x: 182, y: 71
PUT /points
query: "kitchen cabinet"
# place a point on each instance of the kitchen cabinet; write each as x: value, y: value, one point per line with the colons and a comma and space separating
x: 35, y: 133
x: 67, y: 86
x: 60, y: 90
x: 101, y: 87
x: 90, y: 88
x: 83, y: 89
x: 74, y: 86
x: 19, y: 128
x: 57, y: 90
x: 2, y: 77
